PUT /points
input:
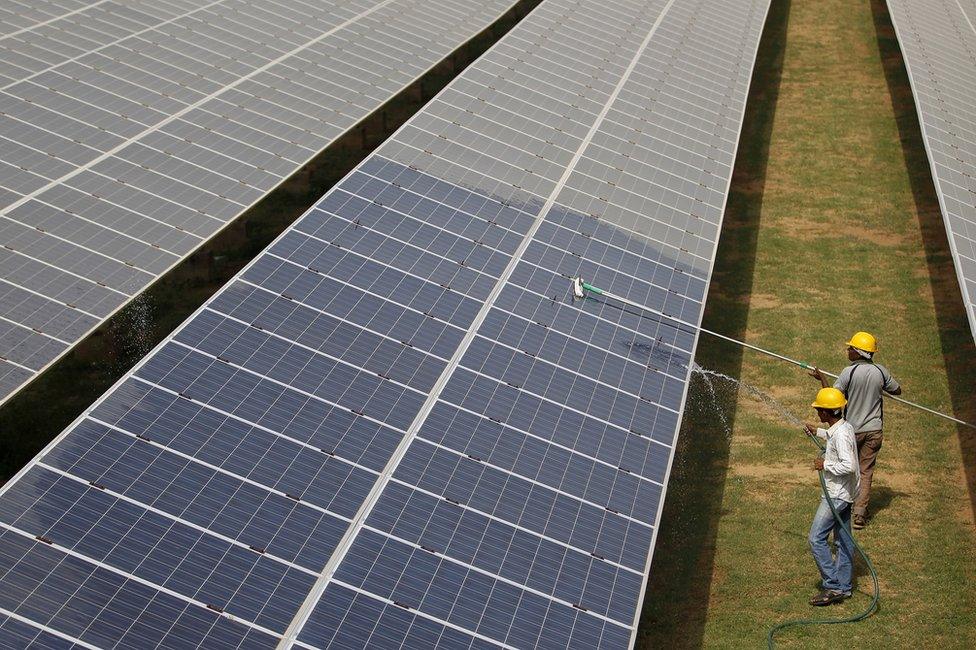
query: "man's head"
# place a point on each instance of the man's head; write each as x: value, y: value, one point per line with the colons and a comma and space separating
x: 862, y: 346
x: 830, y: 404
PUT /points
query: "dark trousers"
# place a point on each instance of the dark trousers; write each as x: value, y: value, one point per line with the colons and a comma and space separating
x: 868, y: 446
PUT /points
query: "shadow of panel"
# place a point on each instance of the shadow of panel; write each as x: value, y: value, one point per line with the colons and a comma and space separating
x: 678, y: 588
x: 958, y: 349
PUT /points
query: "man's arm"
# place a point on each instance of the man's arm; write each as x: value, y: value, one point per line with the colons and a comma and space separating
x: 890, y: 386
x: 843, y: 381
x: 813, y: 430
x: 819, y: 376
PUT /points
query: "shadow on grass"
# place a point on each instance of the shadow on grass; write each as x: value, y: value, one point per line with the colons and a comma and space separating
x: 678, y: 588
x: 958, y: 350
x: 882, y: 496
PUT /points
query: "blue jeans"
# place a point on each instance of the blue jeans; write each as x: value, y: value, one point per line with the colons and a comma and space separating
x: 836, y: 573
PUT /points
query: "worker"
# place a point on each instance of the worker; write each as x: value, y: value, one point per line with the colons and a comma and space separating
x: 862, y: 383
x: 842, y: 478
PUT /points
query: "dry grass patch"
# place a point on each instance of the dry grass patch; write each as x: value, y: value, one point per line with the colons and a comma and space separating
x: 762, y: 301
x: 795, y: 474
x: 831, y: 227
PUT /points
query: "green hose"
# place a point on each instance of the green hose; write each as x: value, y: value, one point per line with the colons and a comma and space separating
x: 874, y: 576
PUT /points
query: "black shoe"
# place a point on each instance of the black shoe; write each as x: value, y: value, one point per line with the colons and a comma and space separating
x: 827, y: 597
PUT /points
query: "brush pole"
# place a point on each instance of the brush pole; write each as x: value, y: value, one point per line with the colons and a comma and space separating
x: 795, y: 362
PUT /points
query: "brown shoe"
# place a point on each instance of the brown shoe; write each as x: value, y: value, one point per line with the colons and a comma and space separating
x: 827, y: 597
x: 859, y: 522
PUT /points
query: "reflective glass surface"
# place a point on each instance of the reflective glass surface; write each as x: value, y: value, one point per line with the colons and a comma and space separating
x: 132, y: 132
x: 938, y: 41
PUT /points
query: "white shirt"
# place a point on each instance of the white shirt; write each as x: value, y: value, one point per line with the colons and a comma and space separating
x: 842, y: 473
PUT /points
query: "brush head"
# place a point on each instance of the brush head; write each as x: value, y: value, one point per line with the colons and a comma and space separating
x: 578, y: 291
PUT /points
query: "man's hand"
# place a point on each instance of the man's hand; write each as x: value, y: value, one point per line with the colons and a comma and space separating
x: 809, y: 429
x: 818, y: 464
x: 819, y: 376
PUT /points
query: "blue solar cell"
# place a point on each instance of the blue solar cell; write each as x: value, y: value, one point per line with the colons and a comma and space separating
x: 244, y: 391
x: 346, y: 619
x: 198, y: 494
x: 480, y: 603
x: 314, y: 327
x: 567, y: 469
x: 502, y: 549
x: 158, y: 549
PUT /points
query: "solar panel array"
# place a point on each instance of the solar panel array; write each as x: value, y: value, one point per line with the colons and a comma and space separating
x: 131, y: 132
x: 395, y: 428
x: 938, y: 41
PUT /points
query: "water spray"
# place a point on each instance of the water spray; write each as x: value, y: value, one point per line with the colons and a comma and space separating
x: 581, y: 289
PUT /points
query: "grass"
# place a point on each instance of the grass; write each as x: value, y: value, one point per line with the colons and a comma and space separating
x: 832, y: 226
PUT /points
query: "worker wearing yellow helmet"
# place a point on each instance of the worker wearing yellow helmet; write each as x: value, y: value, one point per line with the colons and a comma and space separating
x: 863, y: 383
x: 841, y: 482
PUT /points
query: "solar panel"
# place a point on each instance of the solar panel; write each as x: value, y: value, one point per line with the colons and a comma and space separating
x: 938, y: 41
x: 131, y: 133
x: 395, y: 428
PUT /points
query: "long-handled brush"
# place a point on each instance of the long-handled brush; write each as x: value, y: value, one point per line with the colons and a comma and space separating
x: 581, y: 289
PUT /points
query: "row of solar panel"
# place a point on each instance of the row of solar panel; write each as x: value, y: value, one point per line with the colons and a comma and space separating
x: 122, y: 158
x: 938, y: 41
x: 385, y: 568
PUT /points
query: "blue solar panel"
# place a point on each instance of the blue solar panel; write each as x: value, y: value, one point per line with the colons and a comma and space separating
x: 396, y: 428
x: 538, y: 474
x: 352, y: 619
x: 16, y: 633
x: 248, y: 441
x: 53, y: 588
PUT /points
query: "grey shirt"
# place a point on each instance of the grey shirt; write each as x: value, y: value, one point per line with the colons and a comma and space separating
x: 862, y: 383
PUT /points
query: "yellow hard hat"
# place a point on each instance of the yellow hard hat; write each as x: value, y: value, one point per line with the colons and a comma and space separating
x: 864, y: 341
x: 829, y: 398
